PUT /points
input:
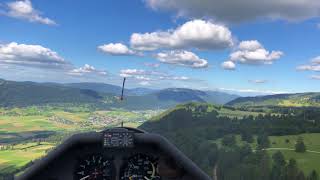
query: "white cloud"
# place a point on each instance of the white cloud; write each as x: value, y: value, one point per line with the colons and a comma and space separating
x: 145, y: 83
x: 253, y: 91
x: 240, y: 10
x: 197, y: 34
x: 132, y: 72
x: 22, y: 9
x: 179, y: 78
x: 315, y: 60
x: 250, y: 45
x: 143, y: 75
x: 228, y: 65
x: 153, y: 65
x: 30, y: 55
x: 258, y: 81
x: 309, y: 68
x: 86, y: 69
x: 143, y: 78
x: 182, y: 58
x: 117, y: 49
x: 316, y: 77
x: 252, y: 52
x: 313, y: 66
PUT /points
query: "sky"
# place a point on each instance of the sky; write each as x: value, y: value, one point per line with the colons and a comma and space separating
x: 244, y: 46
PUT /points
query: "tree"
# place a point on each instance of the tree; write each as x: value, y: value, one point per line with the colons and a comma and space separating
x: 301, y: 176
x: 278, y: 159
x: 247, y: 136
x: 313, y: 176
x: 229, y: 140
x: 263, y: 141
x: 292, y: 170
x: 278, y: 171
x: 264, y: 166
x: 300, y: 146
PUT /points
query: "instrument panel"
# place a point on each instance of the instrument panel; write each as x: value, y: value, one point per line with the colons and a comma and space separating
x: 114, y: 154
x: 139, y: 163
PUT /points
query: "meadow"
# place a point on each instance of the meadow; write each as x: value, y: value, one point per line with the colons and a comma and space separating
x: 20, y: 129
x: 307, y: 161
x: 17, y: 156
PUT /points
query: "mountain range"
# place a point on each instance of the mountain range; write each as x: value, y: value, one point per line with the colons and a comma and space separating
x: 14, y: 93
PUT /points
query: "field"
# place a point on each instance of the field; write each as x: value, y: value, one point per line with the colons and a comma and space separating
x: 21, y: 128
x: 307, y: 161
x: 17, y: 156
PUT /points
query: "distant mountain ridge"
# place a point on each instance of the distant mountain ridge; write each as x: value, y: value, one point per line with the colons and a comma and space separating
x: 294, y: 100
x: 189, y: 95
x: 31, y: 93
x: 109, y: 88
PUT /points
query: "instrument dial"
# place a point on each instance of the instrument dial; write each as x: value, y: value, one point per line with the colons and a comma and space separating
x: 140, y: 167
x: 94, y: 167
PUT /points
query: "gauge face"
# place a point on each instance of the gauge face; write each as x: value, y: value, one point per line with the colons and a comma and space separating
x: 94, y: 167
x: 140, y: 167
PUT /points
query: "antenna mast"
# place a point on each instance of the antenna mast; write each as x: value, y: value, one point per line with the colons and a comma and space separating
x: 124, y: 81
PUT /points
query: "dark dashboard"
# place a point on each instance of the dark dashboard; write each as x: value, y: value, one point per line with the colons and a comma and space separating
x: 115, y: 154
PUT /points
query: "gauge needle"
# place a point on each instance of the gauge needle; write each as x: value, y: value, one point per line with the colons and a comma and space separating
x: 153, y: 170
x: 85, y: 177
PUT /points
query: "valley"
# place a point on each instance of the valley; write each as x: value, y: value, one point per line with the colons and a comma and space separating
x: 220, y: 132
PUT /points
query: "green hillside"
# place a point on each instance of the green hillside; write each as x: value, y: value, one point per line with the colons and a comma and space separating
x: 307, y: 161
x: 199, y: 129
x: 286, y: 100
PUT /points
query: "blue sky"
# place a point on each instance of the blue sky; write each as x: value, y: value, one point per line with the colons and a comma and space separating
x: 274, y: 51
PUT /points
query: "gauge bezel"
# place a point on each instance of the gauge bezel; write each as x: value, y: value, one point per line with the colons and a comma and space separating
x: 125, y: 167
x: 85, y: 157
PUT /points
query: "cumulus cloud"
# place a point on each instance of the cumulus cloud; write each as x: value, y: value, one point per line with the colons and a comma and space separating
x: 252, y: 52
x: 143, y: 75
x: 316, y: 77
x: 133, y: 72
x: 182, y: 58
x: 86, y: 69
x: 179, y: 78
x: 31, y: 55
x: 117, y: 49
x: 145, y: 83
x: 22, y: 9
x: 252, y: 91
x: 197, y: 34
x: 228, y: 65
x: 309, y: 68
x: 314, y: 65
x: 143, y: 78
x: 258, y: 81
x: 316, y: 60
x: 240, y: 10
x: 153, y: 65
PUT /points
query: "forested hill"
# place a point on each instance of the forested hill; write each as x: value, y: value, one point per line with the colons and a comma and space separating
x: 30, y: 93
x: 206, y: 133
x: 287, y: 100
x: 212, y: 120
